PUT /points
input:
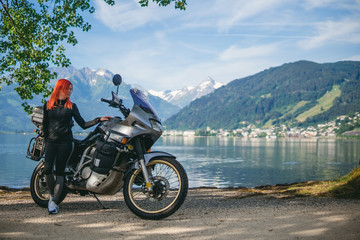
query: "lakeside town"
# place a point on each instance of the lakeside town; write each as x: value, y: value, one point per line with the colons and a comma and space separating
x: 346, y: 125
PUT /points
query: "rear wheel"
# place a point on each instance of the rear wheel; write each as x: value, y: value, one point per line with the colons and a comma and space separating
x: 169, y: 189
x: 38, y: 187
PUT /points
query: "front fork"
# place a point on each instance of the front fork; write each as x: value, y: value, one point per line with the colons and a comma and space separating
x: 140, y: 152
x: 146, y: 174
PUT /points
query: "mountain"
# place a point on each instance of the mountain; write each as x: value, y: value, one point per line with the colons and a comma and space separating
x: 300, y: 93
x: 186, y: 95
x: 89, y: 87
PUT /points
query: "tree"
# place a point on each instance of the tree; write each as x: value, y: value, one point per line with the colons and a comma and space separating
x: 32, y: 37
x: 179, y: 4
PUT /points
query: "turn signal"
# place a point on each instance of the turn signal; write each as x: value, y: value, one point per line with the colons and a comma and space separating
x: 124, y: 140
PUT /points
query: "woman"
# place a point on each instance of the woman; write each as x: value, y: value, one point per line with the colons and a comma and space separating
x: 57, y: 122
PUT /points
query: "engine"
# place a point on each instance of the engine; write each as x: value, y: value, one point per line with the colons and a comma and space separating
x: 101, y: 169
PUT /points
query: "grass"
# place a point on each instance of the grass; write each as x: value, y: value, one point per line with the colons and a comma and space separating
x: 289, y: 110
x: 324, y: 104
x: 268, y: 124
x: 296, y: 107
x: 347, y: 187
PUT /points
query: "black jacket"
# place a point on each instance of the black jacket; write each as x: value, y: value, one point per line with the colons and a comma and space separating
x: 57, y: 122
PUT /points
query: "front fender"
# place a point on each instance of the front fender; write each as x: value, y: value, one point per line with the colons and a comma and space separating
x: 155, y: 154
x: 147, y: 158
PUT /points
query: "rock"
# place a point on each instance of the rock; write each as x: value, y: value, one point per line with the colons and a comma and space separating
x: 351, y: 133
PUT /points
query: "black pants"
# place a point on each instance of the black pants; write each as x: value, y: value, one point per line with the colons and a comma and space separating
x: 57, y: 153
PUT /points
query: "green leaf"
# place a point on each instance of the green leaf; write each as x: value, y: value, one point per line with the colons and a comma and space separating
x: 32, y: 36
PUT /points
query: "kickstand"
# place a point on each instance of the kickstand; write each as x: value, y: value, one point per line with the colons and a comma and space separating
x: 94, y: 195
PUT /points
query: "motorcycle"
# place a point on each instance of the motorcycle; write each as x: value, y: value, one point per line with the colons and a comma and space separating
x: 117, y: 155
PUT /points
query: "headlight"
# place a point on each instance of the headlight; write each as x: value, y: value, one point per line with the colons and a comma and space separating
x: 156, y: 125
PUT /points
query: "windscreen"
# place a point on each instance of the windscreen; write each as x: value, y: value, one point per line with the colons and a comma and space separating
x: 141, y: 100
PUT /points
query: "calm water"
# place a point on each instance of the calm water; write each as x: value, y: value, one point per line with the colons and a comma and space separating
x: 221, y: 162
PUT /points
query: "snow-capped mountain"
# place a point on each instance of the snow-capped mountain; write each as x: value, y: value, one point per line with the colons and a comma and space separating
x: 186, y: 95
x: 90, y: 85
x: 91, y: 77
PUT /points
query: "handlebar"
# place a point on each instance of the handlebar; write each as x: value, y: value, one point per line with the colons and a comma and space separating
x: 122, y: 108
x: 105, y: 100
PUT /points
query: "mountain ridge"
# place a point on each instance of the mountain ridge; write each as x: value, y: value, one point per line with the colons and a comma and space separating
x: 184, y: 96
x: 278, y: 95
x: 90, y: 85
x: 272, y: 95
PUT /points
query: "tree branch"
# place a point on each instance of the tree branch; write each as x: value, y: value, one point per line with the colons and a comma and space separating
x: 12, y: 21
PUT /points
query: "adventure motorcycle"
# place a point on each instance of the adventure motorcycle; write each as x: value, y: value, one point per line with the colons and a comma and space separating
x: 117, y: 155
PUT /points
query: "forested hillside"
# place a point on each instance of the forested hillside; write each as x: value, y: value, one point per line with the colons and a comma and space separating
x: 300, y: 93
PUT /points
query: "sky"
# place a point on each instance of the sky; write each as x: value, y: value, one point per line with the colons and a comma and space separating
x: 163, y: 48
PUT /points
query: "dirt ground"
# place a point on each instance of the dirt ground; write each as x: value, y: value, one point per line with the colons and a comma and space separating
x: 206, y: 214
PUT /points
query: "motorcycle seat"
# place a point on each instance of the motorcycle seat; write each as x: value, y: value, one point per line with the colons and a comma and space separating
x: 78, y: 142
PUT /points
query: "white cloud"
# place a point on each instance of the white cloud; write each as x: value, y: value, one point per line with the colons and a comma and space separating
x: 193, y: 74
x: 223, y: 16
x: 344, y: 31
x: 163, y: 48
x: 152, y: 73
x: 129, y: 15
x: 310, y: 4
x: 354, y: 58
x: 234, y: 52
x: 334, y: 4
x: 236, y: 11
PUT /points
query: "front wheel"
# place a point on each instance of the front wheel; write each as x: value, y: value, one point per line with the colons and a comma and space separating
x: 169, y: 189
x: 38, y: 187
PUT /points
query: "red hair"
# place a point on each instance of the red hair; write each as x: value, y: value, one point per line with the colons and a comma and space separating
x: 60, y: 85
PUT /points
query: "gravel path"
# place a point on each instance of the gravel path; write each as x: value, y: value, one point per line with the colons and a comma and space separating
x: 206, y: 214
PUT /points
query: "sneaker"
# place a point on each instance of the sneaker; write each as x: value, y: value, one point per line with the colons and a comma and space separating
x: 52, y: 207
x: 51, y: 199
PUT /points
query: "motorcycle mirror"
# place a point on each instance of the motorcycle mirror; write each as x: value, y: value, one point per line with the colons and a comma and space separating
x: 117, y: 79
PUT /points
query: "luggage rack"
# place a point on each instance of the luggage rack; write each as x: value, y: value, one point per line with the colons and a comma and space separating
x: 36, y: 147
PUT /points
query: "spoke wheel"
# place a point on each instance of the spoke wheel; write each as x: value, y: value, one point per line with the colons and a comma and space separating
x: 38, y: 187
x: 169, y: 189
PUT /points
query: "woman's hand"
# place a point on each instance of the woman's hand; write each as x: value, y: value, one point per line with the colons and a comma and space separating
x: 106, y: 118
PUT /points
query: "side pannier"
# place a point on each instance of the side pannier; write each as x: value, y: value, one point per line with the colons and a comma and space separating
x: 36, y: 147
x: 37, y: 116
x: 104, y: 157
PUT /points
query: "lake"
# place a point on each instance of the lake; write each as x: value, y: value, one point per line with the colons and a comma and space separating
x: 220, y: 162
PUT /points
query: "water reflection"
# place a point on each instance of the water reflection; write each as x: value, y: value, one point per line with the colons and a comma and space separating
x: 15, y: 169
x: 221, y: 162
x: 224, y: 162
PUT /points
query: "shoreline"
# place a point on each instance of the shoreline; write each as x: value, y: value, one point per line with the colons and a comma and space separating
x: 343, y: 136
x: 282, y: 188
x: 187, y: 136
x: 280, y: 185
x: 207, y: 213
